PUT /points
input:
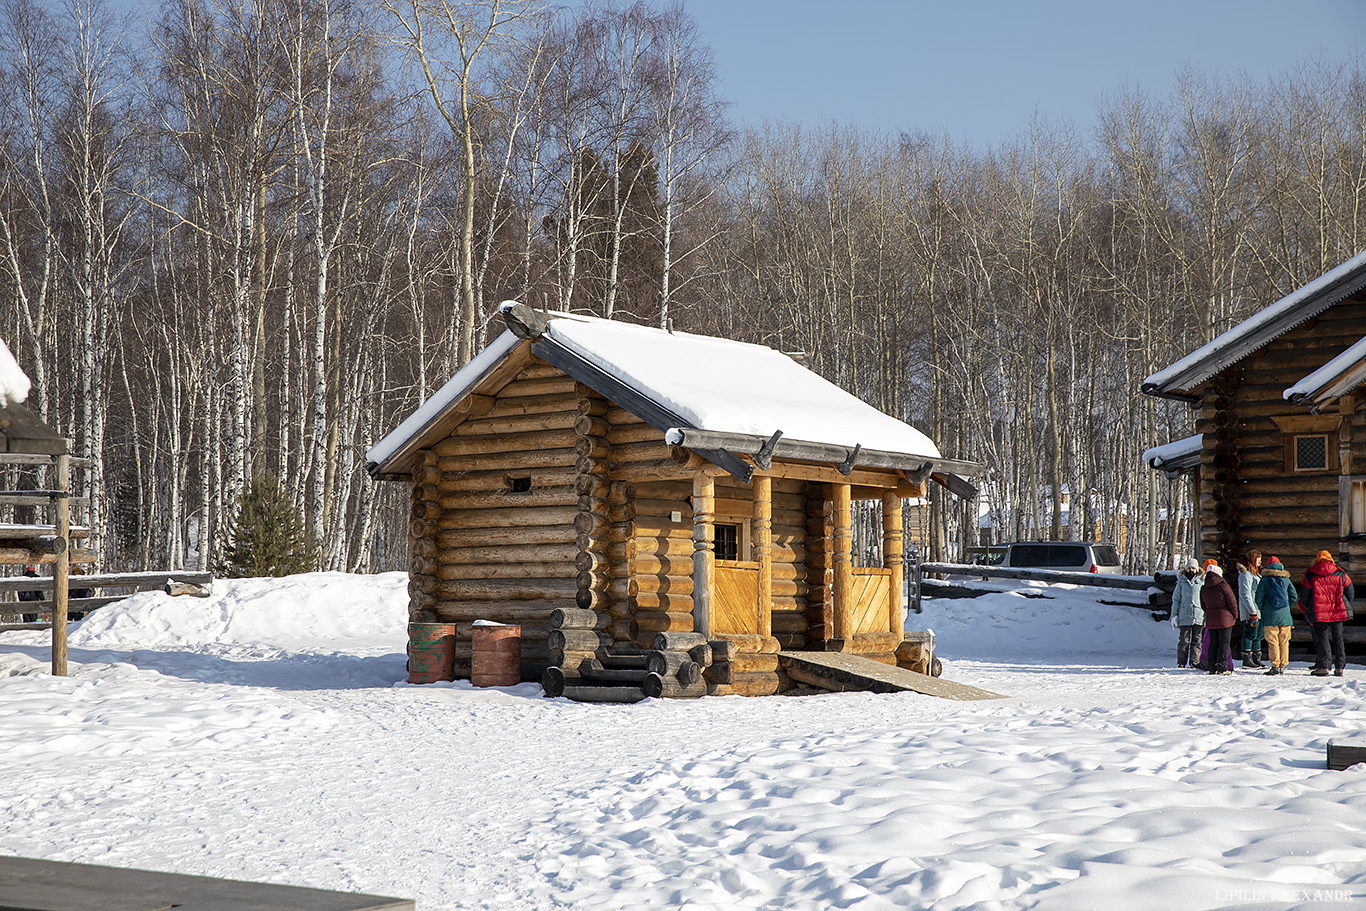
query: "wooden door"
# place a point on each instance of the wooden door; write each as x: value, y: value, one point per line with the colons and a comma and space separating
x: 869, y: 596
x: 735, y: 600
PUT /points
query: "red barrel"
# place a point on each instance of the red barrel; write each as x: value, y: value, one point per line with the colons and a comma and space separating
x: 496, y: 658
x: 431, y: 652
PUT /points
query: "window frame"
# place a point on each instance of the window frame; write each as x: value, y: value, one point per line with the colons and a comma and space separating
x: 1294, y: 427
x: 1297, y: 439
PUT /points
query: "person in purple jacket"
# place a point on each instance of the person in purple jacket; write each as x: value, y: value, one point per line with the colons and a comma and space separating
x: 1221, y: 612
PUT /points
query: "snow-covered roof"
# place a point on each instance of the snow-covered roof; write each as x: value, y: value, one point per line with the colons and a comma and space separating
x: 1178, y: 455
x: 734, y: 387
x: 1265, y: 326
x: 713, y: 391
x: 455, y: 389
x: 1333, y: 380
x: 14, y: 383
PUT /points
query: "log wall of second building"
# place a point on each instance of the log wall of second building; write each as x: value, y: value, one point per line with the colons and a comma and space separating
x: 1248, y: 498
x: 484, y: 548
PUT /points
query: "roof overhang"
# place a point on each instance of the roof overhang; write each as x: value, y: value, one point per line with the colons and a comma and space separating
x: 1180, y: 380
x: 950, y: 473
x: 1177, y: 457
x: 1322, y: 388
x: 22, y: 432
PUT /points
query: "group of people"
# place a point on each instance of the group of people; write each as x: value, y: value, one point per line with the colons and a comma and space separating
x: 36, y: 595
x: 1205, y: 609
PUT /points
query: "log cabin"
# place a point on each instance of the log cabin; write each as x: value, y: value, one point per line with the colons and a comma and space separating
x: 643, y: 501
x: 1279, y: 428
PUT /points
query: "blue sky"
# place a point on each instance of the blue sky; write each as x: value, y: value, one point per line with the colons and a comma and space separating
x: 979, y: 70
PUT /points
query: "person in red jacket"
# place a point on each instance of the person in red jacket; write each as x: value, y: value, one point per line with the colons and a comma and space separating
x: 1221, y: 612
x: 1326, y: 594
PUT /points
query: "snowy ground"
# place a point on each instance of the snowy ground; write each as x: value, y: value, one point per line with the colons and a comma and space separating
x: 265, y: 734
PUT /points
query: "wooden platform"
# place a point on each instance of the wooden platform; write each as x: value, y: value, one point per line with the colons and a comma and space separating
x: 843, y: 673
x: 45, y: 885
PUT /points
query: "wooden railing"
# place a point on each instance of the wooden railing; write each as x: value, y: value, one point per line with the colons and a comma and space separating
x: 1156, y: 602
x: 196, y: 584
x: 44, y: 543
x: 50, y: 543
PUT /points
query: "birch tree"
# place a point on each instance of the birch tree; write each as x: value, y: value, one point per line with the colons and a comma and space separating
x: 449, y: 40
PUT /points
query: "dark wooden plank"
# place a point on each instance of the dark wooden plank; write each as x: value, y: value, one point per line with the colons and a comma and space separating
x: 840, y: 672
x: 45, y: 885
x: 1342, y: 755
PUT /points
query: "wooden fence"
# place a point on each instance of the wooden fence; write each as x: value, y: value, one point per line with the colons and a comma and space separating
x: 171, y: 582
x: 50, y: 543
x: 1159, y: 586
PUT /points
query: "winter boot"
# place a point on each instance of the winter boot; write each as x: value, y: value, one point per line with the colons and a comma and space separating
x: 1247, y: 659
x: 1256, y: 658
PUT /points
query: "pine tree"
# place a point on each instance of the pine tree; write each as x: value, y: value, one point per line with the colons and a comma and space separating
x: 267, y: 537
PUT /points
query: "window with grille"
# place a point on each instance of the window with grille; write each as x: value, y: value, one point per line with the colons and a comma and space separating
x: 1311, y: 453
x: 727, y: 539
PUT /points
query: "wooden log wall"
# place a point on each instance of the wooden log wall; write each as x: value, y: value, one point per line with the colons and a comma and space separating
x: 820, y: 568
x: 1222, y: 539
x: 1247, y: 497
x: 484, y: 548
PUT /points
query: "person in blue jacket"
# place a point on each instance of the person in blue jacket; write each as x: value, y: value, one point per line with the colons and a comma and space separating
x: 1275, y: 594
x: 1249, y: 576
x: 1187, y: 615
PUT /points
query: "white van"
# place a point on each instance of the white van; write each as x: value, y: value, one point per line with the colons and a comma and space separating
x: 1064, y: 556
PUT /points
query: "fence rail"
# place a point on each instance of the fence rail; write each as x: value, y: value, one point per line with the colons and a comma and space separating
x: 1163, y: 582
x: 197, y: 584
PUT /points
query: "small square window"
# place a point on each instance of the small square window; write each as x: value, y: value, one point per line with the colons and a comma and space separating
x: 1311, y: 453
x: 727, y: 539
x: 519, y: 485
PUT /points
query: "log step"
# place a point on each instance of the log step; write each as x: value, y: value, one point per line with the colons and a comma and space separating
x: 623, y: 694
x: 624, y: 662
x: 594, y: 670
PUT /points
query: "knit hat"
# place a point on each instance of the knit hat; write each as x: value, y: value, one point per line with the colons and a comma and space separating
x: 1192, y: 563
x: 1323, y: 557
x: 1270, y: 560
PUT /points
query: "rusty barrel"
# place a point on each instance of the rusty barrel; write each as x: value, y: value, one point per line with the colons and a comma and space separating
x: 431, y: 652
x: 496, y: 658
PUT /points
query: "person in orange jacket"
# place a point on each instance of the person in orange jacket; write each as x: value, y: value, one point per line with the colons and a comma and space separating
x: 1326, y: 597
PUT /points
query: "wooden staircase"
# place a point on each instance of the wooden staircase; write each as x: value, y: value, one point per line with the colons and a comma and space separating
x: 613, y: 677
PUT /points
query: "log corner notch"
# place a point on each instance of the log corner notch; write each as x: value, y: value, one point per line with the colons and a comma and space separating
x: 522, y: 321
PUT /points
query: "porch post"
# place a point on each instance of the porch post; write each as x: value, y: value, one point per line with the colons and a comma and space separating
x: 704, y: 551
x: 61, y: 592
x: 842, y: 612
x: 892, y: 559
x: 763, y: 551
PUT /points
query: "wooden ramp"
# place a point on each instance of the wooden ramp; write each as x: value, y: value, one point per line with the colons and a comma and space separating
x: 842, y: 673
x: 45, y: 885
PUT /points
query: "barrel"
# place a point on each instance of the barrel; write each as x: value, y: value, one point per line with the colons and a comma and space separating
x: 431, y: 652
x: 496, y: 654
